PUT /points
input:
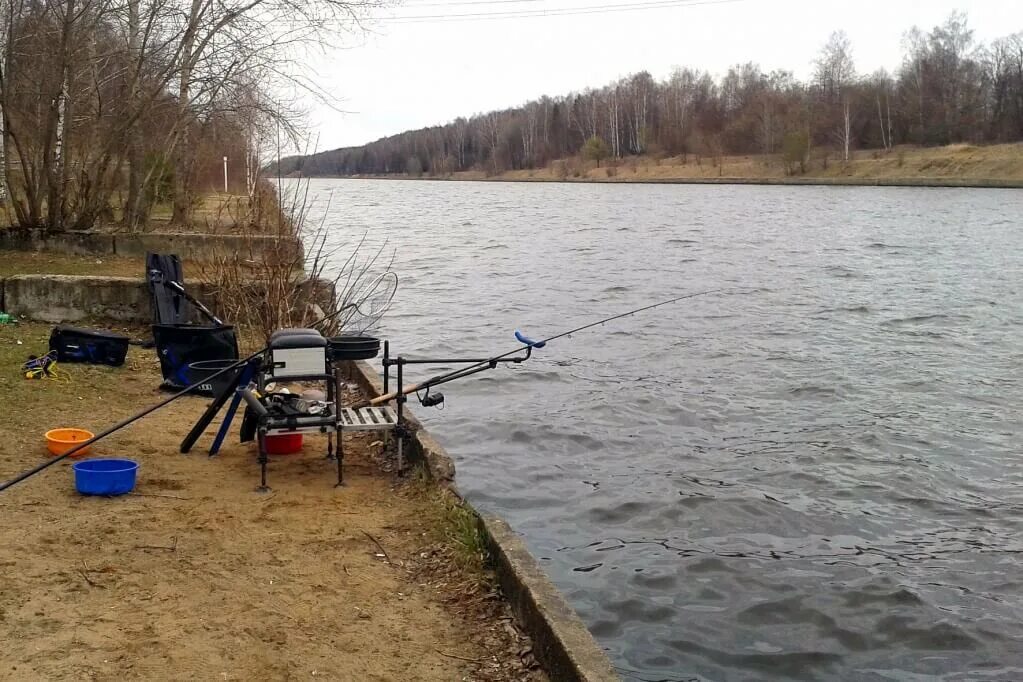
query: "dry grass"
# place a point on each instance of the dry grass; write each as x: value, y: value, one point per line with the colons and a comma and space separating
x: 215, y: 212
x: 997, y: 163
x: 272, y: 284
x: 51, y: 263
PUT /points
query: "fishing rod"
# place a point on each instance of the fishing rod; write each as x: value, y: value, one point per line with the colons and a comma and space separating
x: 528, y: 346
x: 125, y: 422
x: 153, y: 408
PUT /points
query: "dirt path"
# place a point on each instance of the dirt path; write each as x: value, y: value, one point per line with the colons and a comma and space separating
x: 196, y: 576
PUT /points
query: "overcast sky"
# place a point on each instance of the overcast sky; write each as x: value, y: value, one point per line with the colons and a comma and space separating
x: 405, y: 75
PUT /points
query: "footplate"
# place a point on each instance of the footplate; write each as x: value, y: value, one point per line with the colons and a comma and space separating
x: 366, y: 419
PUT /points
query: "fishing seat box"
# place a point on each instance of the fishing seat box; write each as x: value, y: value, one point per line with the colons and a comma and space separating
x: 94, y: 346
x: 297, y: 353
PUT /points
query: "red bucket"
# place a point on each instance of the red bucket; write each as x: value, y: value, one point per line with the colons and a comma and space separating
x: 284, y: 444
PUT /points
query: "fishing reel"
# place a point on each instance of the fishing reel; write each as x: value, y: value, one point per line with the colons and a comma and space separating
x: 431, y: 399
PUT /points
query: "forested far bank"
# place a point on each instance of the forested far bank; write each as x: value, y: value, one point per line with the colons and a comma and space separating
x: 948, y: 89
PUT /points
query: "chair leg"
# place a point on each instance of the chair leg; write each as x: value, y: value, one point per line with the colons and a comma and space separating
x: 340, y: 459
x: 330, y: 446
x: 261, y: 440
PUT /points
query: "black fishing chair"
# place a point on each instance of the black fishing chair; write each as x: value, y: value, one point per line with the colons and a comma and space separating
x: 298, y: 355
x: 178, y: 339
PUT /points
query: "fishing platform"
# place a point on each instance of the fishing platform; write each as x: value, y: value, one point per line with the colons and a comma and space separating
x: 304, y: 356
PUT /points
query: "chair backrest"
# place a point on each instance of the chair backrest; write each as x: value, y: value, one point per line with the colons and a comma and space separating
x: 169, y: 306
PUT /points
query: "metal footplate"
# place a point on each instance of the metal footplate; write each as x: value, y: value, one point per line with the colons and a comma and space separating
x: 370, y: 419
x: 366, y: 419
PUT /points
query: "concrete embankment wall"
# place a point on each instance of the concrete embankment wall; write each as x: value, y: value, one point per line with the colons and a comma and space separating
x: 562, y: 644
x: 71, y: 298
x: 188, y: 246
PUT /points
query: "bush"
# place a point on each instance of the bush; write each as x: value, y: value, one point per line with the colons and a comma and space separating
x: 275, y: 283
x: 160, y: 170
x: 794, y: 150
x: 414, y: 166
x: 595, y: 149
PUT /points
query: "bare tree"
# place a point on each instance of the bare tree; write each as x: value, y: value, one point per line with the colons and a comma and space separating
x: 614, y: 120
x: 834, y: 68
x: 85, y: 89
x: 532, y: 114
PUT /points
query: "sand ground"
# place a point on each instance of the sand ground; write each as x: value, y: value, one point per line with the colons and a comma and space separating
x: 197, y: 576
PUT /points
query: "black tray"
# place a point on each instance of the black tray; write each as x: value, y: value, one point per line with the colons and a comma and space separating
x: 352, y: 348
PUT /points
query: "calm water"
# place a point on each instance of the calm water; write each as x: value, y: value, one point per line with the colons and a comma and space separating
x: 816, y: 474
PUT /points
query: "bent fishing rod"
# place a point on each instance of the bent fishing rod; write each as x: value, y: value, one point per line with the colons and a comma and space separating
x: 153, y: 408
x: 528, y: 346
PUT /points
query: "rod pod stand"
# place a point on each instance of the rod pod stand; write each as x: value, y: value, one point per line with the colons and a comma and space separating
x: 401, y: 430
x: 401, y: 396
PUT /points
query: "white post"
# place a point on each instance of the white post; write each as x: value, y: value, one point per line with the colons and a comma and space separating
x: 225, y: 175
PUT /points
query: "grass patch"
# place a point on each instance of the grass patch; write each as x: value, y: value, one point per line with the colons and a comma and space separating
x: 88, y: 397
x: 53, y: 263
x: 461, y: 526
x: 456, y: 524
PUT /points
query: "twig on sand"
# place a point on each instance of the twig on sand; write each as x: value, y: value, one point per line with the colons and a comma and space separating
x: 172, y: 497
x: 85, y: 574
x: 169, y: 548
x: 88, y: 579
x: 460, y: 658
x: 379, y: 546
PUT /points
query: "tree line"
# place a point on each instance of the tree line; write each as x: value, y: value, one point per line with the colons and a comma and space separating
x: 112, y: 106
x: 948, y: 89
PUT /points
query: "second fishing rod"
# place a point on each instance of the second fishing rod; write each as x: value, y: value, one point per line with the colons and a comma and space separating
x: 4, y: 485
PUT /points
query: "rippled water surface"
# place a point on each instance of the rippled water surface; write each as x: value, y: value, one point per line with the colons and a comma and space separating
x: 815, y: 474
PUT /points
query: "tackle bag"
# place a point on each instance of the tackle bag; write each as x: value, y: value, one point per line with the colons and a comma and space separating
x: 97, y: 347
x: 178, y: 345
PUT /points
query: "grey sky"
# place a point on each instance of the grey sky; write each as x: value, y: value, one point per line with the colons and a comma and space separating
x: 410, y: 75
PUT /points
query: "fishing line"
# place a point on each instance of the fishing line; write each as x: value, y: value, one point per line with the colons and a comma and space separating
x: 528, y: 345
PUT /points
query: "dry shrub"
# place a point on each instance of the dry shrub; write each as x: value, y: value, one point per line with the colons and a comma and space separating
x: 282, y: 273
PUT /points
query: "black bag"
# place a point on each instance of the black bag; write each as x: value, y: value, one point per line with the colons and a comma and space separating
x: 179, y: 345
x: 74, y: 344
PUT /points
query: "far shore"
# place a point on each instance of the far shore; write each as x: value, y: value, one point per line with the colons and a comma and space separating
x: 980, y: 183
x: 963, y: 166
